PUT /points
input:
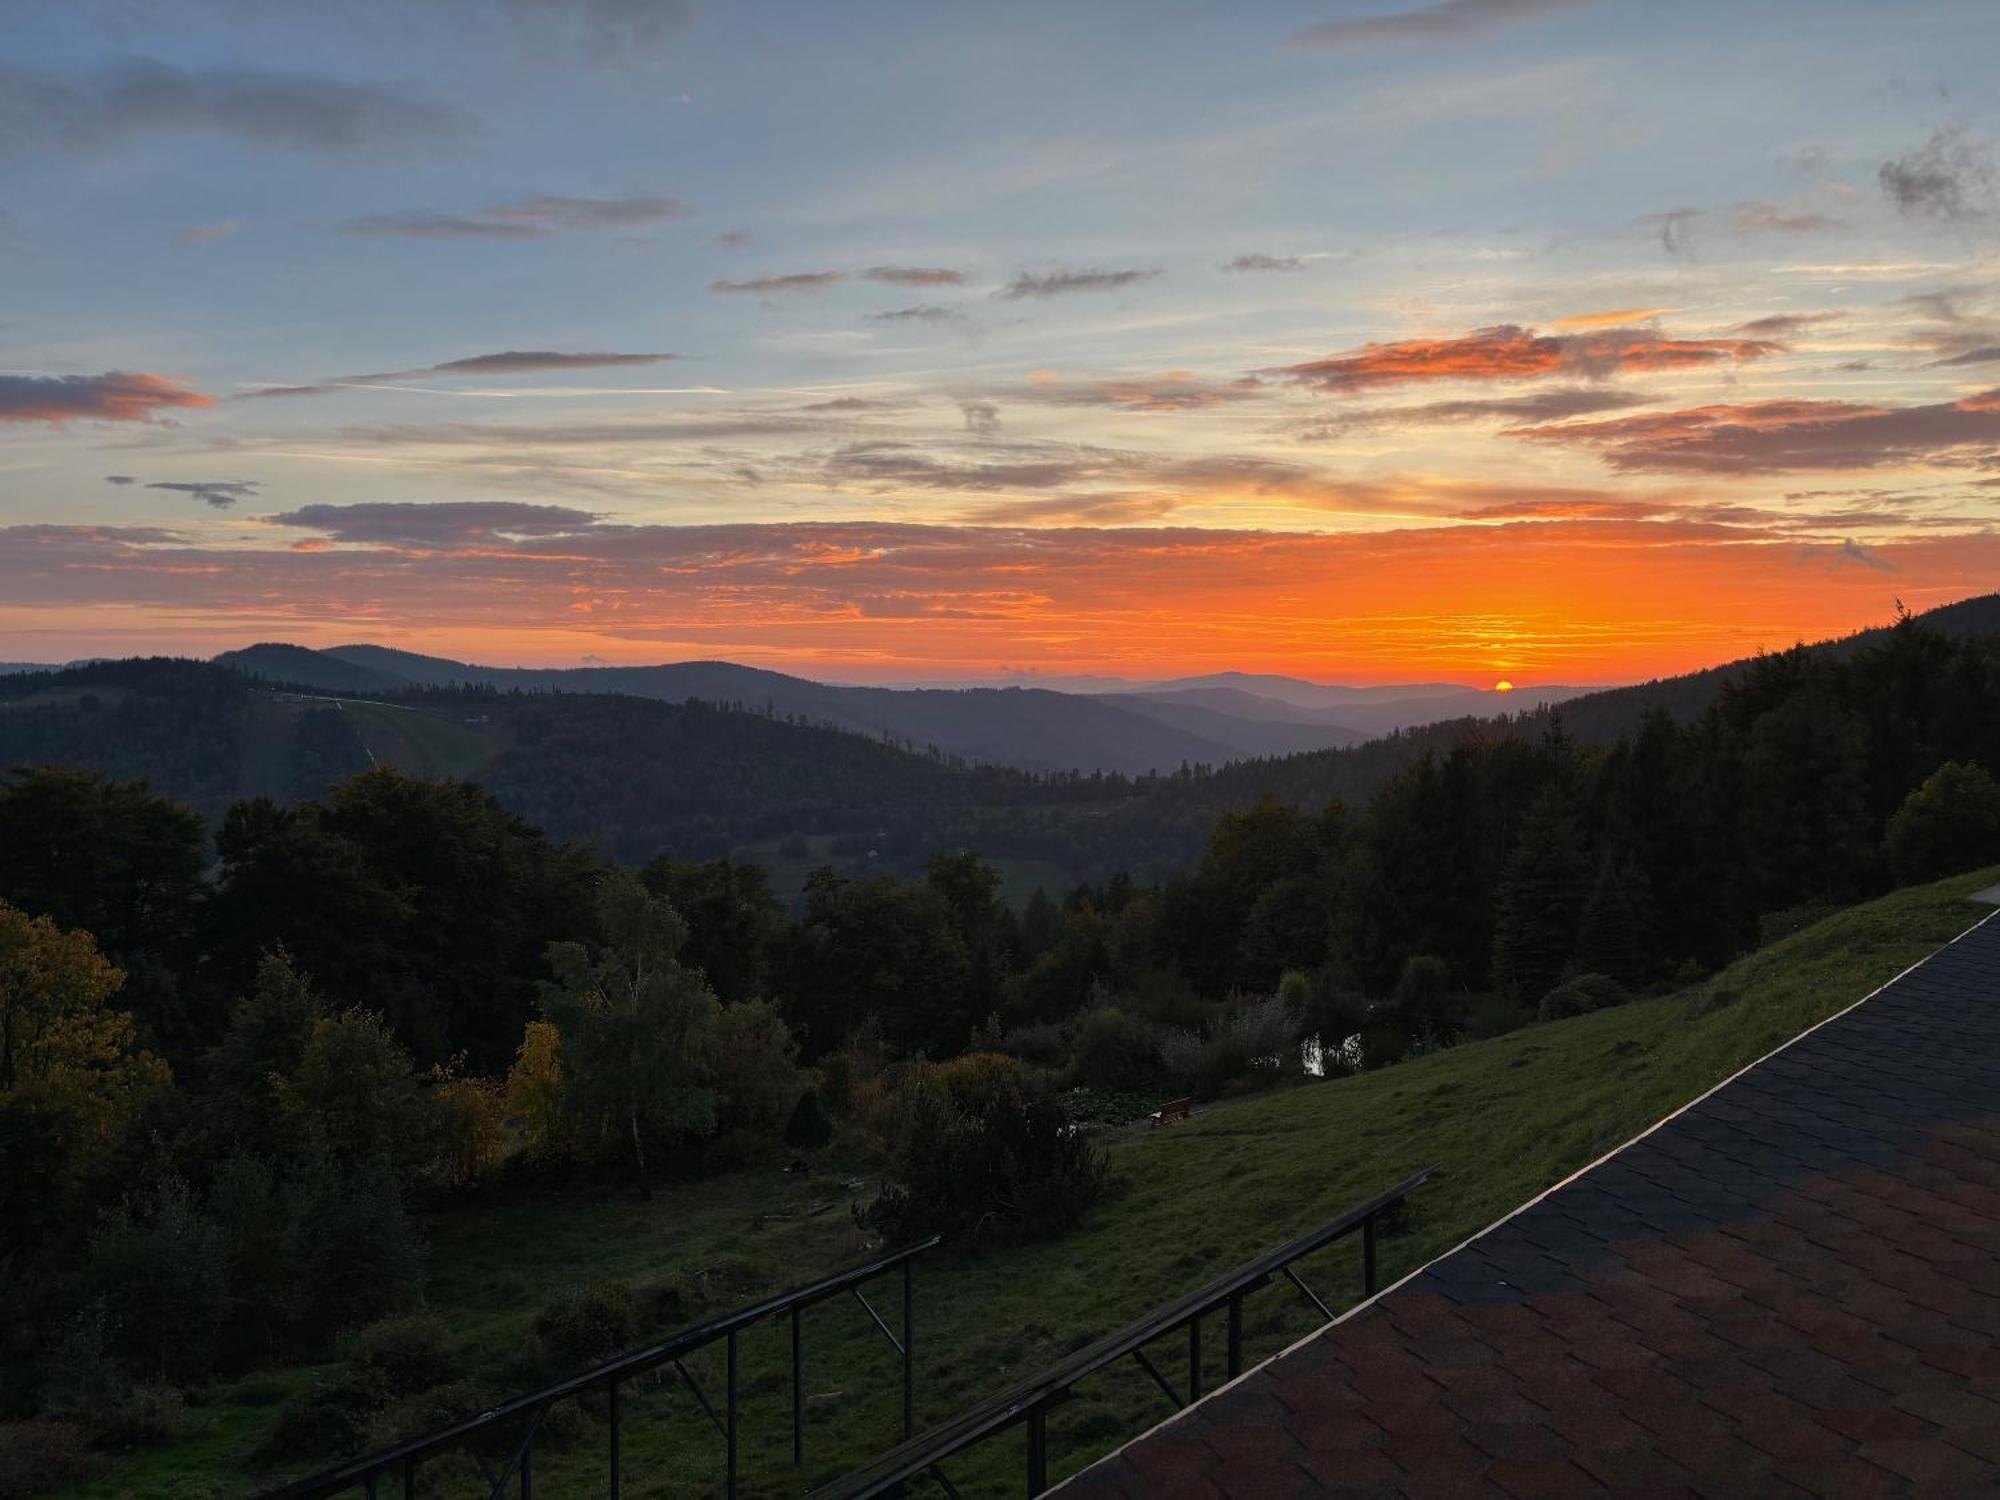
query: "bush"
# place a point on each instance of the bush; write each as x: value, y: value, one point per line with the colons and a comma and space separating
x: 1949, y: 824
x: 43, y: 1456
x: 976, y: 1151
x: 330, y: 1417
x: 400, y: 1356
x: 1115, y: 1051
x: 351, y: 1247
x: 1257, y: 1037
x: 585, y: 1324
x: 1581, y: 995
x: 1044, y: 1045
x: 150, y: 1415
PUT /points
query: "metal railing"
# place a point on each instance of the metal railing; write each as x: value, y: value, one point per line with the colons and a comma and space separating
x: 520, y: 1418
x: 1030, y: 1401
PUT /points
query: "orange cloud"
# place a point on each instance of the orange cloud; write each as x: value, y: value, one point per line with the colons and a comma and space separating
x: 1510, y: 352
x: 1577, y: 594
x: 1617, y: 317
x: 114, y: 396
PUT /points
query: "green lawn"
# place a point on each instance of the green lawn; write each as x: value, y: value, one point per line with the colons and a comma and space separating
x: 422, y: 741
x: 1498, y: 1121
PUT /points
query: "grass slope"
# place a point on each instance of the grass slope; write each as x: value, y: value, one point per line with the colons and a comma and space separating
x: 1499, y: 1121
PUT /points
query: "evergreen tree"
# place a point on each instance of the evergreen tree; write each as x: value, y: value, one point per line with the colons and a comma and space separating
x: 1540, y: 900
x: 1617, y: 934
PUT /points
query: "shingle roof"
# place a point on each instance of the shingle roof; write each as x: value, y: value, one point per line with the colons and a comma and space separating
x: 1791, y: 1288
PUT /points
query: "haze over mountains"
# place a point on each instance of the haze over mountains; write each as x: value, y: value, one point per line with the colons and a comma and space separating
x: 1108, y: 726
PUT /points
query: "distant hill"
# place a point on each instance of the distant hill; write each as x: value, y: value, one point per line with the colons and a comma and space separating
x: 1033, y: 729
x: 297, y: 666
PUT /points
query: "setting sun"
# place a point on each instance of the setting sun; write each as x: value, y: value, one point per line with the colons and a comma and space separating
x: 1503, y: 686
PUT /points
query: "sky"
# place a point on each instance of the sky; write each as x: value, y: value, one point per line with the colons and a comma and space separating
x: 1558, y: 341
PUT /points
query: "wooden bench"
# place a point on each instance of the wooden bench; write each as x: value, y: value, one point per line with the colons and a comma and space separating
x: 1175, y: 1109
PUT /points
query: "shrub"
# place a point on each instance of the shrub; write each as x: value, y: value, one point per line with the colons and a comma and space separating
x: 1260, y: 1036
x: 470, y: 1121
x: 149, y: 1415
x: 351, y: 1247
x: 1949, y: 824
x: 1581, y: 995
x: 1045, y: 1044
x: 156, y: 1266
x: 976, y: 1151
x: 400, y: 1356
x: 1116, y: 1051
x: 43, y: 1456
x: 757, y: 1076
x: 585, y: 1324
x: 330, y: 1417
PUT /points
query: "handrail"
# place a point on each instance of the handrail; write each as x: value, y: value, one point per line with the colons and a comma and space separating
x: 403, y: 1457
x: 1029, y: 1400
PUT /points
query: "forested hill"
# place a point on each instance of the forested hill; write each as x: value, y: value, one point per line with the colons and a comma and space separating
x: 634, y: 777
x: 1028, y: 728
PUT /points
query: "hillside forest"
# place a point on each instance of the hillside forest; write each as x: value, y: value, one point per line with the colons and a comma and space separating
x: 245, y: 1050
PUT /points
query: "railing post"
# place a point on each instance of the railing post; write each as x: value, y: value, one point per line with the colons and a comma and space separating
x: 410, y: 1478
x: 1368, y: 1256
x: 909, y: 1355
x: 732, y: 1415
x: 798, y: 1395
x: 373, y: 1476
x: 1038, y: 1451
x: 1235, y: 1335
x: 1194, y: 1359
x: 616, y: 1477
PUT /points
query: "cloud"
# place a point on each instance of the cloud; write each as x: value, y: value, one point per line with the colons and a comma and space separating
x: 425, y: 225
x: 220, y: 493
x: 1769, y: 437
x: 1617, y: 317
x: 1169, y: 390
x: 1853, y: 553
x: 114, y: 396
x: 522, y: 361
x: 602, y: 33
x: 526, y: 219
x: 116, y: 109
x: 914, y: 276
x: 1541, y: 406
x: 928, y: 312
x: 849, y: 403
x: 1946, y: 178
x: 1786, y: 325
x: 507, y: 362
x: 1255, y: 262
x: 733, y: 239
x: 1510, y: 352
x: 1442, y: 21
x: 982, y: 417
x: 1760, y: 216
x: 440, y: 524
x: 121, y: 479
x: 1984, y: 354
x: 797, y: 281
x: 1671, y: 593
x: 207, y: 234
x: 1674, y: 228
x: 1059, y: 283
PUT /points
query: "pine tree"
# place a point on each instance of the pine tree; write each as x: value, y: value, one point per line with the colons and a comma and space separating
x: 1541, y: 899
